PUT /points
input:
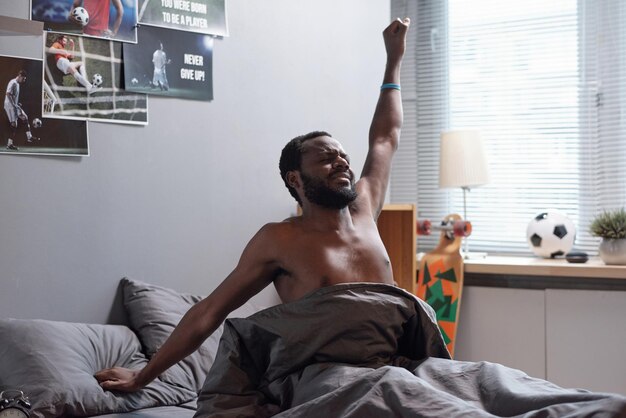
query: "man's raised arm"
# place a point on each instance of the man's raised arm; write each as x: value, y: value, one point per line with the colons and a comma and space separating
x: 384, y: 134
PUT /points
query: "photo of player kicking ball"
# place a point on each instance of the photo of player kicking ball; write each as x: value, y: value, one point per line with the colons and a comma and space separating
x: 24, y: 130
x: 94, y: 89
x: 63, y: 59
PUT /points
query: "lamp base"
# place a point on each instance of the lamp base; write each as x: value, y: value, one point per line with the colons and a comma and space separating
x: 473, y: 256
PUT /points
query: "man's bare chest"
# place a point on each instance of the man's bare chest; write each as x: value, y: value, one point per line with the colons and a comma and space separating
x: 317, y: 260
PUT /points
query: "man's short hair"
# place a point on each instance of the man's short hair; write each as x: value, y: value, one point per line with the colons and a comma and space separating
x: 291, y: 158
x: 22, y: 73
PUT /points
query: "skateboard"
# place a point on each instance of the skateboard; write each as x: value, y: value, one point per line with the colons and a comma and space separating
x: 440, y: 279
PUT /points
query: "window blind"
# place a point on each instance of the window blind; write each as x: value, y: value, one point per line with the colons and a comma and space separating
x: 545, y: 83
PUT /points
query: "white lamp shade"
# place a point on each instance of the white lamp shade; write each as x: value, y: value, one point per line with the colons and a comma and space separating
x: 462, y: 160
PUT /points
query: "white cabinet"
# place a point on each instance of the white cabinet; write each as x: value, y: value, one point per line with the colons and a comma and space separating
x: 586, y: 339
x: 505, y: 326
x: 573, y: 338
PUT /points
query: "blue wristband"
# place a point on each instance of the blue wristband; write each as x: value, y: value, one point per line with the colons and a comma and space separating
x: 390, y: 86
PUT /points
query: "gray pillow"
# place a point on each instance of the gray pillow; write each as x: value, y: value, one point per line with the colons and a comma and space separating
x: 154, y: 312
x: 53, y: 363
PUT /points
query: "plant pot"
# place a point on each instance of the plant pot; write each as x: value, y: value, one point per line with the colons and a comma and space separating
x: 613, y: 251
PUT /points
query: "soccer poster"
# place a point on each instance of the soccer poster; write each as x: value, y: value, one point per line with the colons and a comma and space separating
x: 82, y: 80
x: 170, y: 63
x: 110, y: 19
x: 201, y: 16
x: 24, y: 130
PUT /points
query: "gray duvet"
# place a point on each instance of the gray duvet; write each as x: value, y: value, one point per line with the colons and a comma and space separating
x: 370, y: 350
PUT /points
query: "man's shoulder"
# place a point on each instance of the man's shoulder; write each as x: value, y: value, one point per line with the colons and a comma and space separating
x: 283, y: 227
x: 275, y: 234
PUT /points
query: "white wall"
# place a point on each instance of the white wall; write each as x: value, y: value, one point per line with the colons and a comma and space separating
x: 175, y: 202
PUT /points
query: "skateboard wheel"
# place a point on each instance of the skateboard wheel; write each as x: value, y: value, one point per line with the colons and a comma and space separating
x: 462, y: 228
x: 423, y: 227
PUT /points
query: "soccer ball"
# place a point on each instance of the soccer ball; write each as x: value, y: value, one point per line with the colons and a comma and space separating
x: 37, y: 123
x: 97, y: 80
x: 550, y: 234
x: 81, y: 15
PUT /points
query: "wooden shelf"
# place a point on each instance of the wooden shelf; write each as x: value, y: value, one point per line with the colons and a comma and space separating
x: 12, y: 26
x: 396, y: 225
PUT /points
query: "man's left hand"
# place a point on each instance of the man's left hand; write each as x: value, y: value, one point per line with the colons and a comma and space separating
x: 395, y: 38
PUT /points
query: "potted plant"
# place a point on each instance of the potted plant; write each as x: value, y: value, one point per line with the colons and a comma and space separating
x: 611, y: 226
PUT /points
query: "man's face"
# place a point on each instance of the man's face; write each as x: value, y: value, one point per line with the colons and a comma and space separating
x: 326, y: 175
x: 21, y: 78
x: 63, y: 41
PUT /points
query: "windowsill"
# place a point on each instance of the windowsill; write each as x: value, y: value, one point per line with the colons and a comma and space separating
x: 534, y: 266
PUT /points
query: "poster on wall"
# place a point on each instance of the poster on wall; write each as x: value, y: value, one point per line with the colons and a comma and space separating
x: 110, y: 19
x: 172, y: 63
x: 201, y: 16
x: 82, y: 80
x: 24, y: 129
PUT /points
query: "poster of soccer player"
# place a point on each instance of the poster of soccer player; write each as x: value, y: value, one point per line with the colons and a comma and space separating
x: 24, y: 130
x: 82, y: 80
x: 110, y: 19
x: 172, y: 63
x: 201, y: 16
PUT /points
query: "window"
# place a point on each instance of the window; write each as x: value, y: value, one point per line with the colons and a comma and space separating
x: 545, y: 83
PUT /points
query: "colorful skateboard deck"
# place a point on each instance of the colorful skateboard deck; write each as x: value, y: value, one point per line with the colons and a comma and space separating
x: 440, y: 280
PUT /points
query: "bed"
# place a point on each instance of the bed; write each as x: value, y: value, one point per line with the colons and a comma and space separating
x: 349, y: 350
x: 53, y: 362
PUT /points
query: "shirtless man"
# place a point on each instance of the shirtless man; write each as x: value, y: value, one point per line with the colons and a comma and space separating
x: 334, y: 241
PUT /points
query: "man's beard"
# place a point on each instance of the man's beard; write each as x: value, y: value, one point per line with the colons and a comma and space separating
x: 319, y: 193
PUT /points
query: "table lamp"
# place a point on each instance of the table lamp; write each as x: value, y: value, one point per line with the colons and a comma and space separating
x: 463, y: 163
